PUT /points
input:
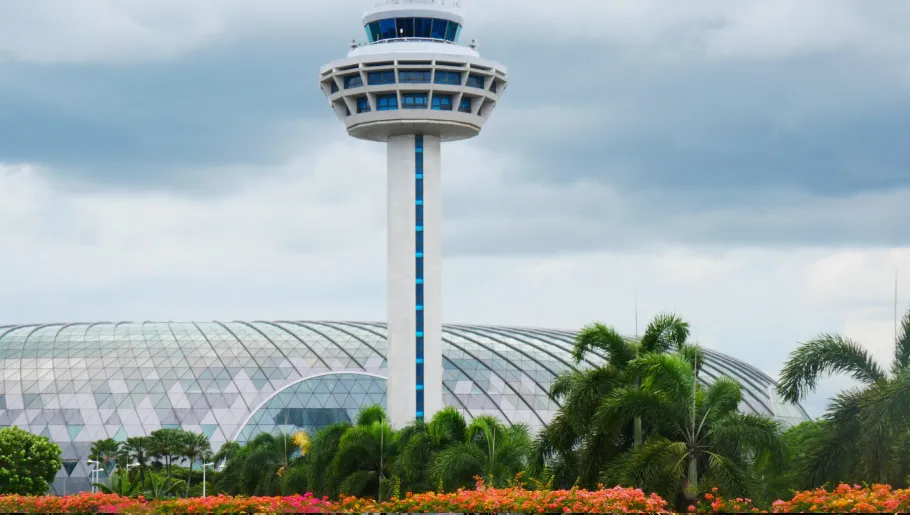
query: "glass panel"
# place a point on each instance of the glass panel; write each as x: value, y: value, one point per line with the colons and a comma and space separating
x: 387, y: 28
x: 465, y: 106
x: 475, y: 81
x: 386, y: 103
x: 353, y: 81
x: 376, y: 78
x: 444, y: 77
x: 363, y: 105
x: 439, y: 29
x: 414, y: 77
x: 451, y: 31
x: 458, y: 34
x: 375, y: 31
x: 423, y: 27
x: 414, y: 101
x: 405, y: 27
x: 442, y: 102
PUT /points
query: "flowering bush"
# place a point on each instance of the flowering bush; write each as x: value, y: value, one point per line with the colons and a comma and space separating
x: 513, y: 500
x: 482, y: 499
x: 80, y: 503
x: 842, y: 499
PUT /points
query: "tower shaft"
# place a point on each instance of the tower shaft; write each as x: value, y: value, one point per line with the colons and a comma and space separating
x: 414, y: 278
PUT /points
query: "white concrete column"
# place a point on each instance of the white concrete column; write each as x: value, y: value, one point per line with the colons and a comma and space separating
x: 402, y: 279
x: 432, y: 214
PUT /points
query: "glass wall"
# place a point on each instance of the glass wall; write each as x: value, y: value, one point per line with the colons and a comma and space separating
x: 427, y: 28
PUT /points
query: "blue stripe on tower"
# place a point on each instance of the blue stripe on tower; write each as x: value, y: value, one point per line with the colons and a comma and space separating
x: 418, y: 235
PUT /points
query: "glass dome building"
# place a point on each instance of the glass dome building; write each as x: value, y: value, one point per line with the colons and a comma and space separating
x: 78, y: 383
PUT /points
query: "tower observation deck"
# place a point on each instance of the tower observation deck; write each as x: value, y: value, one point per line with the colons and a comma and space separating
x: 413, y: 85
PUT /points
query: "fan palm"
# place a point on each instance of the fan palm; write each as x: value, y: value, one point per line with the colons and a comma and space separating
x: 698, y: 431
x: 868, y: 425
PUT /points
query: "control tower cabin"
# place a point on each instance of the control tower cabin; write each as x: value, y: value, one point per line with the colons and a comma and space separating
x: 412, y: 85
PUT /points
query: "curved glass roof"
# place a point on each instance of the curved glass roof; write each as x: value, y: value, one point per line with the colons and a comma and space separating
x: 78, y: 383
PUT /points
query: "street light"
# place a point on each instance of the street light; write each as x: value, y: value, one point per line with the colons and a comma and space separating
x: 94, y: 472
x: 205, y: 466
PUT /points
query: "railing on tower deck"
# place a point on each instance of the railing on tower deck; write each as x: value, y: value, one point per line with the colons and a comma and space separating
x: 443, y: 3
x: 399, y: 40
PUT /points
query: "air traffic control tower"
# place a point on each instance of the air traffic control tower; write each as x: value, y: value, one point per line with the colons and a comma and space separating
x: 412, y: 85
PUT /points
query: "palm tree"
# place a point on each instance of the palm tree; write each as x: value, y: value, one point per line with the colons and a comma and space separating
x: 575, y: 449
x: 166, y: 445
x: 106, y: 452
x: 489, y: 449
x: 121, y: 484
x: 138, y: 450
x: 323, y: 447
x: 866, y: 437
x: 698, y: 432
x: 364, y: 454
x: 419, y: 443
x: 196, y: 447
x: 257, y: 468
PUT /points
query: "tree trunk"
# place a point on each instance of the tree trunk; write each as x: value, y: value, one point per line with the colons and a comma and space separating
x: 637, y: 442
x: 690, y: 489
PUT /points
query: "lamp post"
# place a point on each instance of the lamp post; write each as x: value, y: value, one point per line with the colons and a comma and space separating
x: 205, y: 466
x: 93, y: 475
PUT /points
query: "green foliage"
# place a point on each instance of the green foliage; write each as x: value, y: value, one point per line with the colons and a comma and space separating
x: 28, y: 463
x: 865, y: 437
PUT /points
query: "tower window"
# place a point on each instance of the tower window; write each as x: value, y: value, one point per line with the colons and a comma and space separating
x: 439, y: 28
x: 353, y: 81
x: 363, y: 105
x: 414, y: 101
x: 475, y: 81
x: 493, y: 87
x: 414, y: 77
x: 451, y: 31
x: 387, y: 28
x: 377, y: 78
x: 442, y: 102
x: 334, y: 86
x: 405, y: 27
x: 453, y: 78
x: 386, y: 102
x: 465, y: 105
x: 423, y: 27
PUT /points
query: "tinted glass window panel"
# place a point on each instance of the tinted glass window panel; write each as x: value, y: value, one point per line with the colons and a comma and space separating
x: 465, y: 106
x: 363, y: 105
x: 405, y: 27
x: 414, y: 77
x: 386, y: 103
x: 439, y: 29
x: 444, y: 77
x: 475, y: 81
x: 387, y: 28
x: 442, y: 102
x: 451, y: 31
x: 423, y: 27
x: 353, y: 81
x: 414, y: 101
x: 386, y: 77
x: 375, y: 31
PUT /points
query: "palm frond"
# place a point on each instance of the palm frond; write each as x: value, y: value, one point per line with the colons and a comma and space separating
x: 731, y: 476
x: 723, y: 396
x: 667, y: 331
x: 457, y: 465
x: 669, y: 373
x: 623, y: 404
x: 368, y: 415
x: 902, y: 346
x: 658, y: 465
x: 600, y: 337
x: 825, y: 355
x: 755, y: 433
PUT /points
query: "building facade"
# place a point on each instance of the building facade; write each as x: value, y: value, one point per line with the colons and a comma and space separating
x: 79, y: 383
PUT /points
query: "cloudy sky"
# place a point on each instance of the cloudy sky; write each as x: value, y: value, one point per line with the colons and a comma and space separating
x: 743, y: 163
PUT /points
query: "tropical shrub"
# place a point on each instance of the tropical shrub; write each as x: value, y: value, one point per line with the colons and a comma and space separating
x: 28, y: 463
x: 842, y: 499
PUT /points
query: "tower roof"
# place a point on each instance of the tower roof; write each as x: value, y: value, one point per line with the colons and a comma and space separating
x: 441, y: 9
